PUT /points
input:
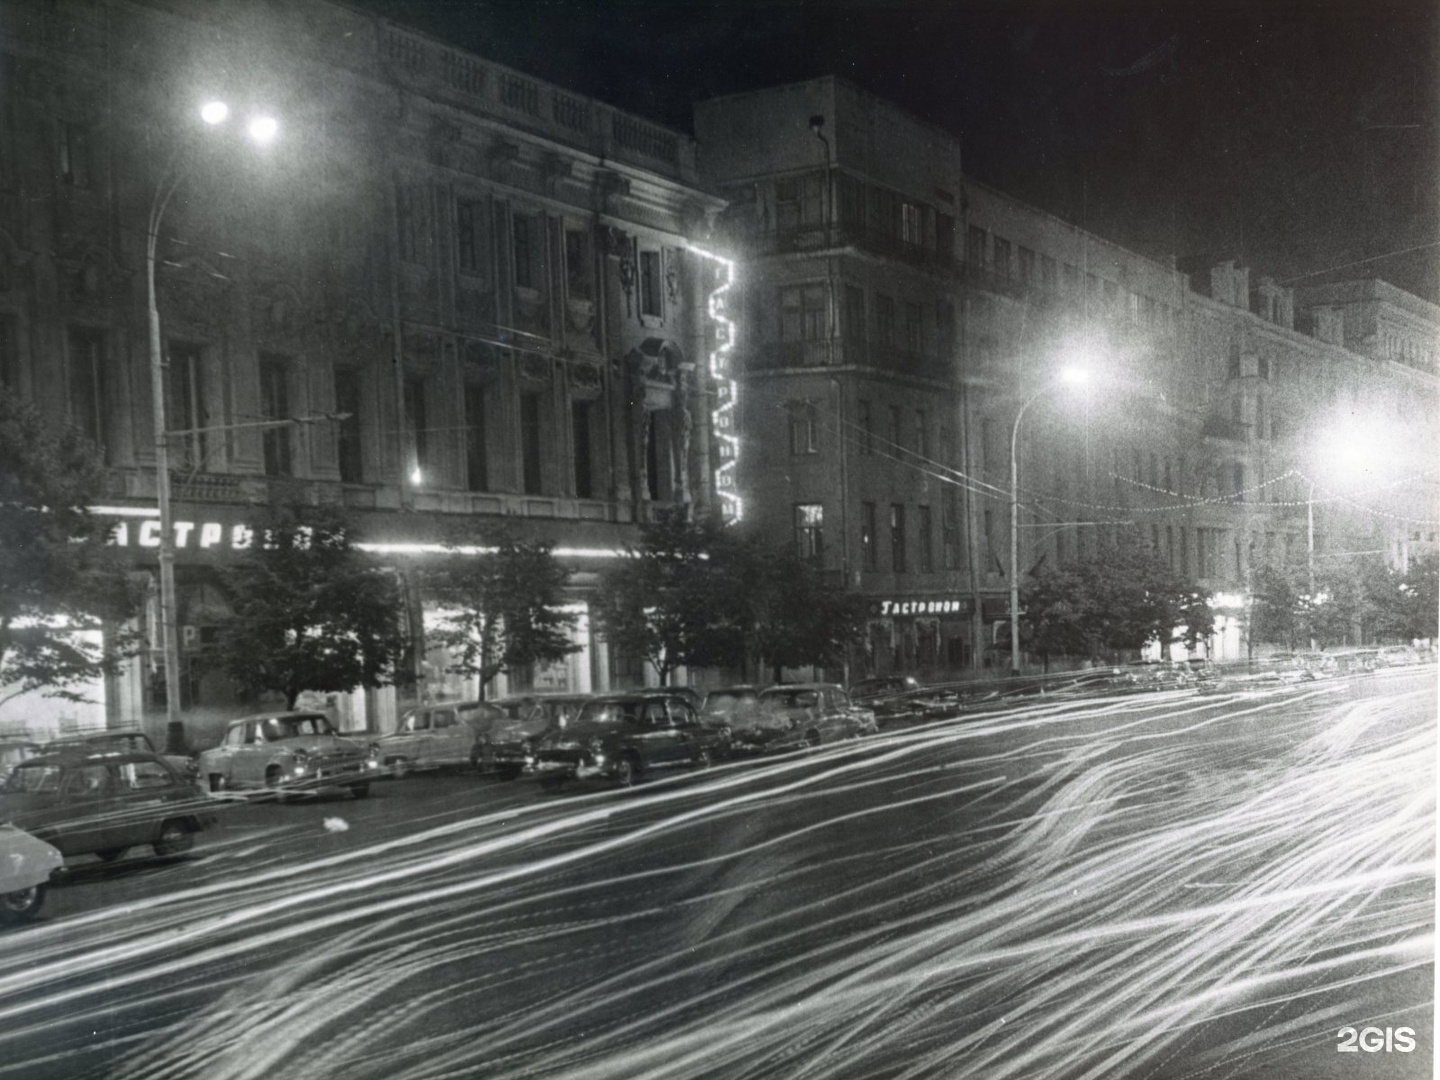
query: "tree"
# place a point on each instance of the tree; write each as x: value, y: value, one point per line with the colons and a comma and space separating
x: 504, y: 607
x: 800, y: 619
x: 59, y: 581
x: 1415, y: 609
x: 1120, y: 598
x: 312, y: 612
x: 680, y: 597
x: 1279, y: 607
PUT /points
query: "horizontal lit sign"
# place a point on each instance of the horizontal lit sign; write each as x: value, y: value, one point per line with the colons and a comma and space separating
x: 206, y: 534
x: 925, y: 607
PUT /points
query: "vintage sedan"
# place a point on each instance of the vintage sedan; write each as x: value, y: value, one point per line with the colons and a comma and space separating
x: 119, y: 739
x: 801, y: 715
x: 899, y: 698
x: 25, y: 867
x: 104, y: 804
x: 508, y: 747
x: 623, y: 737
x: 729, y: 707
x: 430, y: 736
x: 13, y: 751
x: 287, y: 752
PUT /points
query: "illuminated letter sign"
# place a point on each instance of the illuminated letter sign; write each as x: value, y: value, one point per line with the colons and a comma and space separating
x: 722, y: 416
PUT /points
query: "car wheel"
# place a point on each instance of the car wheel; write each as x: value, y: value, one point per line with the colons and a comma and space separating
x: 812, y: 737
x: 626, y: 771
x: 175, y: 838
x: 704, y: 759
x: 360, y: 791
x: 22, y: 905
x: 399, y: 767
x: 274, y: 775
x: 111, y: 854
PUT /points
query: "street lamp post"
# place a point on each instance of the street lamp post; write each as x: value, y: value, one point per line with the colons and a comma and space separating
x: 262, y: 129
x: 1068, y: 375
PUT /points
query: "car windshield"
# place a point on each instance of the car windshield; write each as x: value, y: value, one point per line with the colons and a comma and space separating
x: 289, y: 727
x: 607, y: 714
x: 34, y: 778
x: 727, y: 703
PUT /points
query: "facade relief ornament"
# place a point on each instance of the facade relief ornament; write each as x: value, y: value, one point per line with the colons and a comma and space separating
x: 276, y: 311
x: 501, y: 157
x: 482, y: 361
x: 585, y: 379
x: 534, y: 368
x: 672, y: 276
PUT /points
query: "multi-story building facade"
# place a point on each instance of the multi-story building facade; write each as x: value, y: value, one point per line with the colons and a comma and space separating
x: 448, y: 294
x: 899, y: 317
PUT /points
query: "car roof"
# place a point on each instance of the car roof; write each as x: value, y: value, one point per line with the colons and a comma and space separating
x: 803, y: 686
x: 647, y: 694
x: 741, y: 688
x: 306, y: 715
x: 74, y: 757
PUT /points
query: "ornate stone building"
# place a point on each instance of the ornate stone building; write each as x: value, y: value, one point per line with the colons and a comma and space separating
x: 898, y: 317
x: 446, y: 293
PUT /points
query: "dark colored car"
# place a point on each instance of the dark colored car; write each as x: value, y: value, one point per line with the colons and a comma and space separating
x: 729, y: 707
x: 122, y: 741
x: 432, y: 736
x: 14, y: 751
x: 897, y: 698
x: 102, y: 804
x: 801, y: 715
x: 507, y: 747
x: 625, y: 736
x: 285, y: 752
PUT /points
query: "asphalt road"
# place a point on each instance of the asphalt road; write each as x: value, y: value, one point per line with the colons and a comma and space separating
x: 1158, y: 886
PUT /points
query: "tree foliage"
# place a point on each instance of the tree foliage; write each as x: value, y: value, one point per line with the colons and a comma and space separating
x: 503, y: 608
x: 1120, y: 598
x: 680, y: 597
x: 800, y: 618
x: 59, y: 581
x: 312, y: 612
x: 1354, y: 601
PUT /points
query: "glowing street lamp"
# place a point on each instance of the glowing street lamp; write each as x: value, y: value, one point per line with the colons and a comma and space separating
x: 263, y: 130
x: 1071, y: 376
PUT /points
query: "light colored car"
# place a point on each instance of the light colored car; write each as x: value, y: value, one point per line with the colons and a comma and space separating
x: 803, y: 714
x: 25, y: 867
x: 432, y: 736
x: 285, y: 752
x: 104, y: 804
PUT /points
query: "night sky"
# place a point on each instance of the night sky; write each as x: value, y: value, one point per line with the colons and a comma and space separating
x: 1296, y: 137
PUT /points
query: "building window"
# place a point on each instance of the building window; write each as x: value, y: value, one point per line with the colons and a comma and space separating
x: 651, y: 284
x: 897, y: 537
x: 922, y: 527
x: 945, y: 327
x: 922, y: 435
x: 854, y: 313
x: 951, y: 525
x: 9, y: 353
x: 523, y: 238
x: 897, y: 433
x: 75, y: 155
x: 910, y: 225
x: 912, y: 328
x: 802, y: 313
x: 349, y: 446
x: 1027, y: 266
x: 804, y: 425
x: 809, y: 533
x: 800, y: 201
x: 1002, y: 258
x: 885, y: 319
x: 275, y: 405
x: 580, y: 435
x: 992, y: 561
x: 477, y: 458
x: 579, y: 268
x: 413, y: 206
x: 976, y: 241
x: 417, y: 430
x: 869, y: 557
x: 867, y: 427
x: 945, y: 236
x: 87, y: 382
x: 530, y: 444
x: 185, y: 407
x: 469, y: 228
x: 1237, y: 481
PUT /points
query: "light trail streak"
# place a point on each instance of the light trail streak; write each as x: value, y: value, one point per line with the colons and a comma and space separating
x: 1166, y: 886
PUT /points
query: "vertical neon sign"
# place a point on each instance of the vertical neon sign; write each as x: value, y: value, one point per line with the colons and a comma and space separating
x: 722, y: 416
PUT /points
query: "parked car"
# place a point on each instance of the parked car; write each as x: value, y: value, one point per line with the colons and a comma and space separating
x: 286, y: 752
x: 895, y: 698
x: 430, y: 736
x: 1158, y: 675
x: 729, y: 707
x: 119, y: 741
x: 803, y: 714
x: 25, y: 867
x: 13, y: 751
x: 507, y: 748
x: 625, y: 736
x: 103, y: 804
x: 1397, y: 656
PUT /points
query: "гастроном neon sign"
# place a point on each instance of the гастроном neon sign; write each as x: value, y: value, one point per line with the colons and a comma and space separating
x: 722, y: 416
